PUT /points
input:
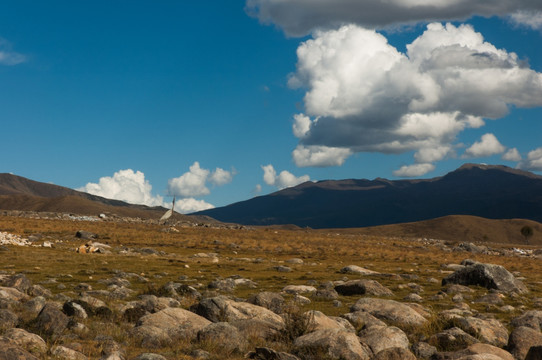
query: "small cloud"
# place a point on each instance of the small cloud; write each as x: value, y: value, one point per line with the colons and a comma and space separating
x: 283, y: 180
x: 530, y: 19
x: 257, y: 189
x: 190, y: 205
x: 533, y: 161
x: 414, y: 170
x: 320, y: 156
x: 125, y: 185
x: 487, y: 146
x: 221, y: 177
x: 8, y: 56
x: 512, y: 155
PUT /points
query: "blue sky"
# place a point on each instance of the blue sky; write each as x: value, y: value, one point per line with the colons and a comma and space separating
x: 220, y: 101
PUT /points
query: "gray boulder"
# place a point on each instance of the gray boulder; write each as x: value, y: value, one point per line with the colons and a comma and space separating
x: 490, y: 276
x: 164, y: 327
x: 224, y: 337
x: 363, y: 287
x: 64, y: 353
x: 8, y: 319
x: 531, y: 318
x: 522, y: 339
x: 11, y: 351
x: 363, y: 320
x: 51, y: 321
x: 320, y: 321
x: 27, y: 341
x: 452, y: 339
x: 381, y: 338
x: 389, y: 310
x: 331, y: 344
x: 269, y: 300
x: 489, y: 331
x: 220, y: 308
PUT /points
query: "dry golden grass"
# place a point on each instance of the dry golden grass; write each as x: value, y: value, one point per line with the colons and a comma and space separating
x: 250, y: 253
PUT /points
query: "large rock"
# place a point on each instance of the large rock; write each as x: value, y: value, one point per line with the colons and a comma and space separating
x: 11, y: 351
x: 64, y: 353
x: 19, y: 282
x: 320, y: 321
x: 389, y: 311
x: 12, y: 294
x: 363, y: 320
x: 363, y: 287
x: 452, y: 339
x: 225, y: 338
x: 30, y: 342
x: 489, y: 331
x: 481, y: 349
x: 51, y: 321
x: 531, y: 318
x: 164, y: 327
x: 490, y: 276
x: 381, y: 338
x: 331, y: 344
x: 522, y: 339
x: 220, y: 308
x: 256, y: 330
x: 269, y: 300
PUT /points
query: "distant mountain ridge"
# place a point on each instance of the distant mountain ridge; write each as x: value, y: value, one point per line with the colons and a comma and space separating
x: 19, y: 193
x: 489, y: 191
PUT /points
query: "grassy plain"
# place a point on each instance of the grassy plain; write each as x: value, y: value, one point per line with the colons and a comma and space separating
x: 251, y: 253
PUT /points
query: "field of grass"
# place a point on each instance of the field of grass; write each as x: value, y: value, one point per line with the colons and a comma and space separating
x: 251, y: 253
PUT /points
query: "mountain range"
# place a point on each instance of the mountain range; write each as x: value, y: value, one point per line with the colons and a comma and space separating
x: 19, y: 193
x: 488, y: 191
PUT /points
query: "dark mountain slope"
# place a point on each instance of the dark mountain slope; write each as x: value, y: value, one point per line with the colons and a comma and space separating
x: 495, y: 192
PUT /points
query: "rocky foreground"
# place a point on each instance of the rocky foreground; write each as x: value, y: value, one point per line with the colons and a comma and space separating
x: 177, y: 321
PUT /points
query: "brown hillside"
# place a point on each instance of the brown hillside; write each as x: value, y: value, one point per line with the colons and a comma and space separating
x: 70, y: 204
x: 461, y: 228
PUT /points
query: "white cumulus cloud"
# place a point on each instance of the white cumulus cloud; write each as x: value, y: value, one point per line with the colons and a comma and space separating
x: 125, y: 185
x: 414, y: 170
x: 300, y: 17
x: 283, y: 180
x: 530, y: 19
x: 191, y: 183
x: 190, y: 205
x: 364, y: 95
x: 320, y: 156
x: 533, y: 161
x: 512, y: 155
x: 221, y: 177
x: 487, y: 146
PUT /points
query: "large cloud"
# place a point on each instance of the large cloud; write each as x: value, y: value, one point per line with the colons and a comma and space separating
x: 126, y: 185
x: 299, y: 17
x: 283, y: 180
x: 363, y: 95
